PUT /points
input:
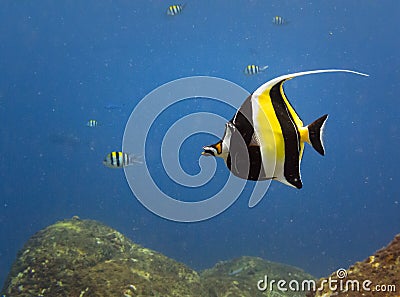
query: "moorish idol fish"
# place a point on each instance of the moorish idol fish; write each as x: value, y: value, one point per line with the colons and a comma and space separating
x: 120, y: 160
x: 265, y: 138
x: 175, y: 9
x: 254, y: 69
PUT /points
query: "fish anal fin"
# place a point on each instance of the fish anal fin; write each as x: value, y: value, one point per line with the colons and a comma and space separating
x: 294, y: 182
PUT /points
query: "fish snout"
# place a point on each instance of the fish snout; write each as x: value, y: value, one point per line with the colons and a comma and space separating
x: 208, y: 151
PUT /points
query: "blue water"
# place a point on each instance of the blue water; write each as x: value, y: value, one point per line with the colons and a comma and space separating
x: 65, y: 62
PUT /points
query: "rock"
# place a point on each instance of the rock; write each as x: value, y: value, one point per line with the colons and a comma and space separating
x: 239, y: 277
x: 86, y: 258
x: 378, y: 272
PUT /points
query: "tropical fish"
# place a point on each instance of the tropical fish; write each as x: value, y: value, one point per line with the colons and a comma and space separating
x: 236, y: 271
x: 120, y: 160
x: 175, y: 9
x: 64, y: 139
x: 265, y: 138
x: 113, y: 106
x: 254, y: 69
x: 92, y: 123
x: 278, y: 20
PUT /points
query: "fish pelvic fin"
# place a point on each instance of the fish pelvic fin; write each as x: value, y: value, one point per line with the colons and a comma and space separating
x: 315, y: 134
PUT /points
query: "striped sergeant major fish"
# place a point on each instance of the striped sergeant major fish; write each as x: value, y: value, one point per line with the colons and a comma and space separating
x: 120, y: 160
x: 278, y: 20
x: 175, y: 9
x: 265, y: 138
x: 92, y: 123
x: 254, y: 69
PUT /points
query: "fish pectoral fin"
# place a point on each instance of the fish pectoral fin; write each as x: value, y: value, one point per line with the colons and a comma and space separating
x: 254, y: 141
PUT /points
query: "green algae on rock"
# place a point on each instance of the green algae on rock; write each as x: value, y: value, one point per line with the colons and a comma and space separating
x: 86, y: 258
x: 378, y: 275
x: 239, y: 277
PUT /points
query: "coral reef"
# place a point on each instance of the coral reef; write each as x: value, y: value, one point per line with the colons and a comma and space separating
x: 378, y: 275
x: 86, y: 258
x: 242, y: 276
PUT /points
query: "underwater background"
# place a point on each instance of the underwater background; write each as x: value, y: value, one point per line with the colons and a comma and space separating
x: 66, y: 62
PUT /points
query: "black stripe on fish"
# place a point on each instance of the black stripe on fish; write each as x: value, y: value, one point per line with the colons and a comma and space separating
x: 255, y: 69
x: 126, y: 159
x: 290, y: 134
x: 112, y: 158
x: 250, y: 167
x: 243, y: 121
x: 244, y: 160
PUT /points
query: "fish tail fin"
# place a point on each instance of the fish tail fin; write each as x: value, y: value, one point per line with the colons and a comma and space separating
x: 135, y: 159
x: 264, y: 68
x: 315, y: 132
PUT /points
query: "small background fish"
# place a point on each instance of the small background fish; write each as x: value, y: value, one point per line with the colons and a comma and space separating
x: 64, y: 139
x: 114, y: 106
x: 120, y: 160
x: 254, y: 69
x: 92, y: 123
x: 278, y: 20
x: 175, y: 9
